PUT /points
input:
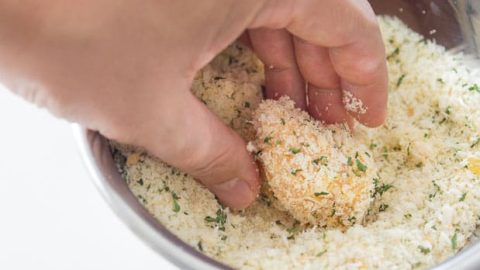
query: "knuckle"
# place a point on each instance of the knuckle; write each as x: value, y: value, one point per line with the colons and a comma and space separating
x: 363, y: 68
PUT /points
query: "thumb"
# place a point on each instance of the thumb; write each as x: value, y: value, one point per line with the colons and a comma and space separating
x: 197, y: 142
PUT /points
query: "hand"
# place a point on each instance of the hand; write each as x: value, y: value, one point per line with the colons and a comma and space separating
x: 124, y: 68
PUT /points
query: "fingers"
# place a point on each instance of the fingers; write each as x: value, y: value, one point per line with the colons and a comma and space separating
x: 364, y: 81
x: 350, y: 30
x: 356, y: 52
x: 282, y: 77
x: 194, y: 140
x: 324, y: 95
x: 326, y: 105
x: 315, y: 66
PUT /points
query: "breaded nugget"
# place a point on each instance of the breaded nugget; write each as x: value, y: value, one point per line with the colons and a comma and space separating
x: 320, y: 174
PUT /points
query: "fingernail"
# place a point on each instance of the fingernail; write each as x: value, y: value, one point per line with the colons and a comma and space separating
x: 234, y: 193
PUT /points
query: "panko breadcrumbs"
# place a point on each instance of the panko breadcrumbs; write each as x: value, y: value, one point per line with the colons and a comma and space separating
x: 353, y: 104
x: 426, y: 197
x: 320, y: 174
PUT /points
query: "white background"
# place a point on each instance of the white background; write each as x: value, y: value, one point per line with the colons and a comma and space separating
x: 51, y: 215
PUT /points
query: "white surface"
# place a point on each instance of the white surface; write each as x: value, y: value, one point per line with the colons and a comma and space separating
x: 51, y: 216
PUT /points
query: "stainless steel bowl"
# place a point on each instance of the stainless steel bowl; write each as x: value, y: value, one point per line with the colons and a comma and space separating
x: 456, y: 25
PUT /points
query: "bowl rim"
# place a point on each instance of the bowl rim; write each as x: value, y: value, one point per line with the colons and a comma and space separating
x: 130, y: 211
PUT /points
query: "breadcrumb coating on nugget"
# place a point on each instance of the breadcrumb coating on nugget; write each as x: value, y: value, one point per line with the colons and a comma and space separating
x: 319, y: 174
x: 231, y: 87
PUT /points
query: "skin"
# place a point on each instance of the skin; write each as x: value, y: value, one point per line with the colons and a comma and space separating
x: 125, y: 68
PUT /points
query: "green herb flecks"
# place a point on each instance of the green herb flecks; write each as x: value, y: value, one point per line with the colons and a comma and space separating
x: 453, y: 241
x: 424, y: 250
x: 383, y: 207
x: 422, y: 41
x: 294, y: 150
x: 176, y: 206
x: 321, y: 253
x: 323, y: 160
x: 220, y: 219
x: 436, y: 190
x: 267, y: 139
x: 200, y: 246
x: 475, y: 143
x: 323, y: 193
x: 294, y: 172
x: 282, y: 121
x: 165, y: 187
x: 397, y: 148
x: 394, y: 53
x: 385, y: 152
x: 360, y: 166
x: 352, y: 220
x: 334, y: 210
x: 474, y: 88
x: 293, y: 230
x: 140, y: 197
x: 400, y: 80
x: 349, y: 161
x: 380, y: 188
x: 448, y: 110
x: 464, y: 195
x: 247, y: 104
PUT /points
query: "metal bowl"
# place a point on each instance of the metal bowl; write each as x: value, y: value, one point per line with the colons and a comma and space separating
x: 456, y: 25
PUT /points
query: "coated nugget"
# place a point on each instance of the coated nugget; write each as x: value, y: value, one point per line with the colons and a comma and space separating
x: 319, y: 174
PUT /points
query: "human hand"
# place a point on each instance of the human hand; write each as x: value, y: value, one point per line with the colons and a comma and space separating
x: 125, y: 69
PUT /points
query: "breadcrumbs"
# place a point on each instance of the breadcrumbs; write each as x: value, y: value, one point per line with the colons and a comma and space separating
x: 425, y: 200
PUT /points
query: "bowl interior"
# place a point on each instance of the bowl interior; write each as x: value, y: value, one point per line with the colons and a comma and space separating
x: 450, y: 23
